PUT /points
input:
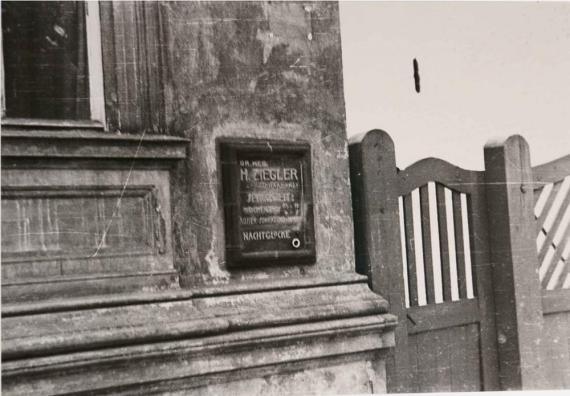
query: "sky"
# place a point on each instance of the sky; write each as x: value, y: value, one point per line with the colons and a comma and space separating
x: 487, y: 70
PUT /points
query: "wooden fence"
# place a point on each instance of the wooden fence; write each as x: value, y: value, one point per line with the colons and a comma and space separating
x: 473, y: 263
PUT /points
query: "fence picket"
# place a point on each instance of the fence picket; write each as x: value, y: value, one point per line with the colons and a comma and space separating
x: 451, y: 238
x: 403, y: 249
x: 410, y: 250
x: 428, y: 255
x: 467, y: 246
x: 443, y: 242
x: 459, y: 247
x: 435, y: 244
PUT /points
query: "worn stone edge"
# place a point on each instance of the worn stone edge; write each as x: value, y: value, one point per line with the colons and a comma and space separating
x: 209, y: 321
x: 252, y: 338
x: 208, y: 356
x: 121, y: 299
x: 86, y: 143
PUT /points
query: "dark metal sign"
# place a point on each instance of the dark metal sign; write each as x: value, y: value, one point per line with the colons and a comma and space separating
x: 268, y: 202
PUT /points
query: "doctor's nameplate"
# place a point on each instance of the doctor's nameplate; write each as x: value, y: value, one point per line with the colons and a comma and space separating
x: 268, y: 202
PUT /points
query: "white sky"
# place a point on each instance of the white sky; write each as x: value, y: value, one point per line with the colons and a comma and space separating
x: 487, y: 70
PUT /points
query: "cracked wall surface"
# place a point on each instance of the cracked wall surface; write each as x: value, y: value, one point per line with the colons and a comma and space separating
x: 255, y: 70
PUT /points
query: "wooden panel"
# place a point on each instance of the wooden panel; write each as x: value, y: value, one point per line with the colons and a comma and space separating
x: 446, y: 360
x: 441, y: 316
x: 465, y: 361
x: 554, y: 301
x: 433, y: 370
x: 556, y: 350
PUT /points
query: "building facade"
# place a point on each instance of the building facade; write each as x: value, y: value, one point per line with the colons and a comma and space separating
x: 119, y: 235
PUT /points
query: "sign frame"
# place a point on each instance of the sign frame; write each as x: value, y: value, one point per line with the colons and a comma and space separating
x: 231, y: 151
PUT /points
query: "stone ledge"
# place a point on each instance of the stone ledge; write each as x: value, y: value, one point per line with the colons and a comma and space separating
x: 87, y: 143
x: 111, y: 370
x: 122, y: 299
x: 157, y: 341
x: 43, y: 334
x: 37, y: 292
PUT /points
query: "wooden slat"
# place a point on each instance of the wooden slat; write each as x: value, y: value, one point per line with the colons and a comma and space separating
x: 471, y: 227
x: 558, y: 250
x: 430, y: 169
x: 537, y: 192
x: 443, y: 242
x: 552, y: 266
x: 563, y: 271
x: 410, y: 250
x: 547, y: 206
x: 552, y: 171
x: 550, y: 234
x: 459, y: 245
x: 426, y: 235
x: 442, y: 316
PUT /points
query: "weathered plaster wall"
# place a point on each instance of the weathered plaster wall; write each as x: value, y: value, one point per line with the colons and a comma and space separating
x: 263, y: 70
x: 356, y: 377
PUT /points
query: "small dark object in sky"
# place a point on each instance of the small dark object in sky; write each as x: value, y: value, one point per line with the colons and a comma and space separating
x: 416, y: 76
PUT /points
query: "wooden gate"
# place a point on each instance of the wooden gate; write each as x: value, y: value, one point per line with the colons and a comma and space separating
x: 420, y: 228
x: 454, y: 252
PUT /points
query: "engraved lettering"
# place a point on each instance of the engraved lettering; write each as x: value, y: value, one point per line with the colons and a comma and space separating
x: 265, y: 235
x: 264, y: 197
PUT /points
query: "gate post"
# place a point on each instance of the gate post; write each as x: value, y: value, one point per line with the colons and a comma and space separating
x: 512, y: 241
x: 377, y: 237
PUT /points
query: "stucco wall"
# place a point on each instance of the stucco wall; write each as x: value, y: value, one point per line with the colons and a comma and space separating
x: 262, y: 70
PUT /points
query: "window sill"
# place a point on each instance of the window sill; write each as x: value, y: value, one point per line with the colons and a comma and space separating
x: 27, y: 123
x: 83, y: 140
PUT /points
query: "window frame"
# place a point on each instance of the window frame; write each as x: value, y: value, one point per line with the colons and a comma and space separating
x: 95, y: 72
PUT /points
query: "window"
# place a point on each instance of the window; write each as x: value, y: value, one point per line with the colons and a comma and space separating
x: 52, y: 61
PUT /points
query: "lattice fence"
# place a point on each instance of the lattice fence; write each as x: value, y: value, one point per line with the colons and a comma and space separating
x: 552, y: 212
